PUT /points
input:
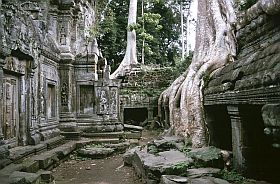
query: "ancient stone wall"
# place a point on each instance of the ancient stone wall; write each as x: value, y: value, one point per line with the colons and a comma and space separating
x: 140, y: 91
x: 243, y: 98
x: 47, y: 57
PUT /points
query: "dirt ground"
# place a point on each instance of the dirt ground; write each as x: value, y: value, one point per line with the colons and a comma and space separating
x: 99, y: 171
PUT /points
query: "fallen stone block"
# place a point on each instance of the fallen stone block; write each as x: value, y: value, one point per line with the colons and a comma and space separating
x: 17, y: 154
x: 128, y: 155
x: 4, y: 163
x: 150, y: 167
x: 207, y: 157
x: 4, y: 152
x: 46, y: 176
x: 30, y: 166
x: 199, y: 172
x: 166, y: 143
x: 24, y: 178
x: 171, y: 179
x: 54, y: 142
x: 96, y: 152
x: 64, y: 150
x: 11, y: 168
x: 46, y: 160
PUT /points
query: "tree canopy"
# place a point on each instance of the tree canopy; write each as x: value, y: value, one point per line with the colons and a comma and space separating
x: 159, y: 27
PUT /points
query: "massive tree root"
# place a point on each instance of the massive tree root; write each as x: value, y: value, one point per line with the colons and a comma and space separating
x: 215, y: 47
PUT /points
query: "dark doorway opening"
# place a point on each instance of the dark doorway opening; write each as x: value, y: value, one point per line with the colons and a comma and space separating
x: 135, y: 116
x: 219, y: 127
x: 262, y: 160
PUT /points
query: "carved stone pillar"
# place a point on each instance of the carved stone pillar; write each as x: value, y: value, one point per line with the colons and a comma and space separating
x: 150, y: 113
x: 237, y: 138
x: 67, y: 120
x: 1, y: 100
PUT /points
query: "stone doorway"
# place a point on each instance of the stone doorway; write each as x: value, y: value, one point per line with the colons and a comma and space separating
x: 135, y: 116
x: 10, y: 124
x: 219, y: 127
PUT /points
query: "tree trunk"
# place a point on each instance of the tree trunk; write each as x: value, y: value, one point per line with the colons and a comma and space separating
x: 215, y: 47
x: 130, y: 57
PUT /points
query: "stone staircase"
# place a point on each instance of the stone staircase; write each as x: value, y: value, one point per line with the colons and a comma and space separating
x: 32, y: 164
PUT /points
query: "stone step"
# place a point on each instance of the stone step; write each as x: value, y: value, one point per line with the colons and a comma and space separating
x: 132, y: 127
x: 19, y: 153
x: 132, y: 135
x: 104, y: 134
x: 54, y: 142
x: 51, y: 157
x: 18, y: 177
x: 95, y: 152
x: 104, y: 141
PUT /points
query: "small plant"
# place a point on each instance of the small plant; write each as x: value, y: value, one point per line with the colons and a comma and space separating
x: 232, y: 176
x: 245, y: 4
x: 152, y: 149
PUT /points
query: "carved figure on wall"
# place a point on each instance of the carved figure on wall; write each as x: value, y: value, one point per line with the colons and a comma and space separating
x: 64, y: 94
x: 103, y: 102
x: 62, y: 38
x: 113, y: 101
x: 42, y: 100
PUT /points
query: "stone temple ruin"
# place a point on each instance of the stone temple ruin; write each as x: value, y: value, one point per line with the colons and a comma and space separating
x: 53, y: 78
x: 54, y: 81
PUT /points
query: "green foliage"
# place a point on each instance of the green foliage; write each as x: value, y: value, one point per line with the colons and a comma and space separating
x: 244, y: 4
x: 232, y: 176
x: 152, y: 149
x: 181, y: 66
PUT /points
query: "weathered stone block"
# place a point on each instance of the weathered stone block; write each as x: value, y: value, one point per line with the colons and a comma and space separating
x: 171, y: 179
x: 30, y: 166
x: 46, y: 176
x: 150, y: 167
x: 207, y: 157
x: 199, y: 172
x: 167, y: 143
x: 128, y: 155
x: 271, y: 115
x: 46, y: 160
x: 96, y: 152
x: 4, y: 152
x: 24, y: 178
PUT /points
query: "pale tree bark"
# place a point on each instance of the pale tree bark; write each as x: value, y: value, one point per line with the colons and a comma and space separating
x: 130, y: 57
x: 215, y: 47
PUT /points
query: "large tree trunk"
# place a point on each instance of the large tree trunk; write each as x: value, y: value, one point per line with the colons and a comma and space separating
x: 130, y: 57
x: 215, y: 47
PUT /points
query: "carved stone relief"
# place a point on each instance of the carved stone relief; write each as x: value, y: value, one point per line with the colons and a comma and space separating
x: 64, y: 94
x: 11, y: 108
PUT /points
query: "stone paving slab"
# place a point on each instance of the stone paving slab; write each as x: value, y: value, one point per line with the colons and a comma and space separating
x: 173, y: 179
x: 24, y: 178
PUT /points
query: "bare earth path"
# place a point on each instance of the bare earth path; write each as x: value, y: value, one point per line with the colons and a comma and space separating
x: 98, y: 171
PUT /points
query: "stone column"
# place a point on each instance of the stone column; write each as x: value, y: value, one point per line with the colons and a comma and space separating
x: 150, y: 113
x: 237, y: 138
x: 68, y: 125
x: 1, y: 99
